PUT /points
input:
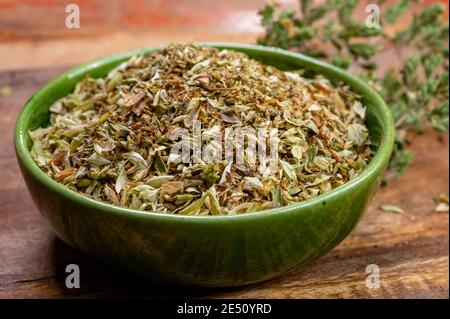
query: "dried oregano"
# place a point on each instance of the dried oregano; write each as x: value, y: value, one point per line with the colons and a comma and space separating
x: 200, y: 131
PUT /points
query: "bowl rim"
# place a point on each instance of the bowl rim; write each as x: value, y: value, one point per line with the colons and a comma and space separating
x: 375, y: 166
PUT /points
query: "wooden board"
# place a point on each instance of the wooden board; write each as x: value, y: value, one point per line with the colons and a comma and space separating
x: 411, y: 250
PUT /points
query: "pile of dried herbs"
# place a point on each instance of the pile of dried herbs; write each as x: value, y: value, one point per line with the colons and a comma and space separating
x: 111, y: 139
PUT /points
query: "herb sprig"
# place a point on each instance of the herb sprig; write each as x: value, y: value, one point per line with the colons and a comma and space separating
x: 417, y: 90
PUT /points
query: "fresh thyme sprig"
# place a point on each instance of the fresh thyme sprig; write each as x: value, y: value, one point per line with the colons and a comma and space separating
x: 416, y: 90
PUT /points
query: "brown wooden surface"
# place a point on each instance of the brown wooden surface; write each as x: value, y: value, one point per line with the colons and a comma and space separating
x: 410, y: 249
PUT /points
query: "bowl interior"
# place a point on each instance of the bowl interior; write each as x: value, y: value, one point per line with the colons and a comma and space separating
x: 379, y: 120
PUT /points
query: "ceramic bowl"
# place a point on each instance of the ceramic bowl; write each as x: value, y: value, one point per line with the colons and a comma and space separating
x: 208, y: 251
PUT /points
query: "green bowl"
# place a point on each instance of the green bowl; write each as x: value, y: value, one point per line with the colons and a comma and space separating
x: 208, y: 251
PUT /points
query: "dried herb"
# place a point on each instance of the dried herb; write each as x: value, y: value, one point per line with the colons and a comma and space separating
x: 5, y: 91
x: 392, y: 209
x: 121, y: 138
x: 441, y: 203
x: 417, y: 90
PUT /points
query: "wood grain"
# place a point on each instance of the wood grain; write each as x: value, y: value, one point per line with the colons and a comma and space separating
x: 33, y: 31
x: 410, y: 249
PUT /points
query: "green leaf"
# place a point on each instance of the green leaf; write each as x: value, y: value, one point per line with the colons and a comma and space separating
x: 194, y: 207
x: 364, y: 50
x: 400, y: 160
x: 440, y: 117
x: 341, y: 61
x: 360, y: 30
x: 394, y: 12
x: 267, y: 14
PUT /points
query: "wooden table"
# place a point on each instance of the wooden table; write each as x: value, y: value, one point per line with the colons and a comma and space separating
x: 411, y: 249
